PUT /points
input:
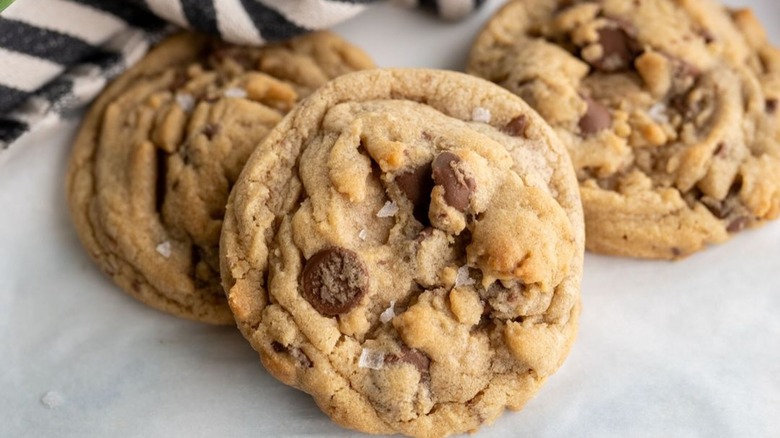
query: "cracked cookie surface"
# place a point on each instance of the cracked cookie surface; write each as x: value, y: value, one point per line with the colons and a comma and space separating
x: 157, y: 154
x: 668, y: 110
x: 407, y: 247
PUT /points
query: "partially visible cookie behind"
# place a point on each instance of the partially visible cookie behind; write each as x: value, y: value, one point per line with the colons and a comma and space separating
x: 669, y: 110
x: 407, y: 247
x: 158, y: 152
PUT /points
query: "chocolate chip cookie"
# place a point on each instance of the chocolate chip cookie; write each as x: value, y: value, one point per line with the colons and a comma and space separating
x: 157, y: 154
x: 406, y: 246
x: 668, y: 110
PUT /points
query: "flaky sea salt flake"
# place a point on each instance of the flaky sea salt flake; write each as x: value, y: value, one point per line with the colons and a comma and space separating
x: 388, y: 210
x: 481, y: 115
x: 388, y: 314
x: 164, y: 249
x: 371, y: 359
x: 463, y: 278
x: 363, y: 234
x: 657, y: 112
x: 236, y: 92
x: 185, y: 101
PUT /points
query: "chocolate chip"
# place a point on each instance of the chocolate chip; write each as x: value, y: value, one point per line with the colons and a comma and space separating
x: 724, y: 208
x: 707, y: 36
x: 684, y: 71
x: 516, y: 127
x: 680, y: 104
x: 413, y: 357
x: 738, y: 224
x: 295, y: 352
x: 211, y: 130
x: 717, y: 208
x: 457, y: 186
x: 618, y: 48
x: 596, y: 118
x: 424, y: 234
x: 771, y: 106
x: 334, y: 281
x: 180, y: 79
x: 417, y: 185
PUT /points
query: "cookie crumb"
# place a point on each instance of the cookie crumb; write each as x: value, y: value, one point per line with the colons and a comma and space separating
x: 363, y: 234
x: 52, y: 400
x: 185, y: 101
x: 388, y: 314
x: 463, y: 278
x: 481, y: 115
x: 236, y: 92
x: 164, y: 249
x: 388, y: 210
x: 371, y: 359
x: 657, y: 112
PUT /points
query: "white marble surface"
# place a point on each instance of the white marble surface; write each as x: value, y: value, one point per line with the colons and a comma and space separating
x: 688, y: 349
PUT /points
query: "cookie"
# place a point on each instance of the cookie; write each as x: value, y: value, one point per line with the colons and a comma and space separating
x: 407, y: 247
x: 155, y: 158
x: 668, y: 110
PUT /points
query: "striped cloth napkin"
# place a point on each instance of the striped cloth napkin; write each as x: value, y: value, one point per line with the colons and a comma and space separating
x: 56, y: 55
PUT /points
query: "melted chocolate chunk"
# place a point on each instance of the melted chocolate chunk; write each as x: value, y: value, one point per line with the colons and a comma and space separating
x: 211, y: 130
x: 413, y: 357
x: 424, y: 234
x: 179, y: 81
x: 685, y: 73
x: 417, y: 185
x: 618, y: 48
x: 721, y: 150
x: 738, y: 224
x: 718, y: 209
x: 771, y: 106
x: 457, y: 186
x: 516, y: 127
x: 707, y: 36
x: 334, y: 281
x: 596, y: 118
x: 687, y: 103
x: 295, y: 352
x: 724, y: 208
x: 680, y: 104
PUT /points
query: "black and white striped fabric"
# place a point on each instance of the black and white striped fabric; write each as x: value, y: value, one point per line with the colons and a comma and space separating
x: 56, y: 55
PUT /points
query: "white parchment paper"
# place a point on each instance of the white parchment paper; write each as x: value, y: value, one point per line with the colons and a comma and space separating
x: 686, y: 349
